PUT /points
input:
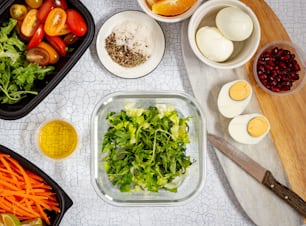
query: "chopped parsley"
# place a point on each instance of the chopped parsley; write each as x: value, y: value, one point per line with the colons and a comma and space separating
x: 146, y: 148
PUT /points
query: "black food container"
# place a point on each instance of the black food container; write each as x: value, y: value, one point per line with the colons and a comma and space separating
x: 64, y: 201
x: 65, y: 64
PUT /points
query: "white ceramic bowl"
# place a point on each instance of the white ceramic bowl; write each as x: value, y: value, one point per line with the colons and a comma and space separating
x: 168, y: 19
x: 205, y: 16
x: 141, y: 19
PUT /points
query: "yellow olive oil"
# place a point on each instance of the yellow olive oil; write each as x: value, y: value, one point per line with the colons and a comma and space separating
x: 57, y: 139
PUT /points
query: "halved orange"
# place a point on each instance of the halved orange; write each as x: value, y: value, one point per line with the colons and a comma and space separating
x: 172, y: 7
x: 151, y: 2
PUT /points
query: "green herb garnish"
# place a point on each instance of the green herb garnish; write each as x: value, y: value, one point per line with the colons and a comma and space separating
x: 17, y: 76
x: 146, y: 148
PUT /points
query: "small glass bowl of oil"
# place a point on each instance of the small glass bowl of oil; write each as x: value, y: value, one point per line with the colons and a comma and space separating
x: 57, y: 138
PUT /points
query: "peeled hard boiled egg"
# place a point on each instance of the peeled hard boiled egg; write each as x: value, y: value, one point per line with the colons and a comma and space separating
x: 213, y: 44
x: 234, y: 24
x: 249, y: 129
x: 234, y: 97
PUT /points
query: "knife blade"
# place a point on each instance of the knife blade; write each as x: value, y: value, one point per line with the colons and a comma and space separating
x: 261, y: 174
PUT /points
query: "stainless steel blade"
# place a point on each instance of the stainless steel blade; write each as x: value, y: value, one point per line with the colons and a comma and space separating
x: 240, y: 158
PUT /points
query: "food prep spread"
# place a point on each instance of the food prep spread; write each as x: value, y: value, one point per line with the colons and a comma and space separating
x: 121, y: 106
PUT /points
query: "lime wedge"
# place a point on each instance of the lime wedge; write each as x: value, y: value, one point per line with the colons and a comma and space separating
x: 9, y: 219
x: 33, y: 222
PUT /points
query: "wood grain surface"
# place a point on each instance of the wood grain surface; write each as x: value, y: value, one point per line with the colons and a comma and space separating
x: 287, y: 114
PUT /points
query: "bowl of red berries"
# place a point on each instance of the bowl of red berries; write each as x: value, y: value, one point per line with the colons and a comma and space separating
x: 279, y: 68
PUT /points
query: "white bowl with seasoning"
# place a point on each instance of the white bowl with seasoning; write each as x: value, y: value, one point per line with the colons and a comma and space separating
x: 224, y: 34
x: 56, y: 138
x: 130, y: 44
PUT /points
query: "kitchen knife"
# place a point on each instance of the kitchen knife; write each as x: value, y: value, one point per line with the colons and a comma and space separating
x: 261, y: 174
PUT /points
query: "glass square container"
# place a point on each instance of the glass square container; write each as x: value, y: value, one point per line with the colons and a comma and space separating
x: 186, y: 106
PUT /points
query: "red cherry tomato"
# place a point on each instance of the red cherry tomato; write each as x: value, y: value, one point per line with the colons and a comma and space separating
x: 55, y: 22
x: 30, y: 23
x: 38, y: 55
x: 76, y: 22
x: 61, y: 3
x: 70, y: 39
x: 37, y: 37
x: 45, y: 9
x: 58, y: 44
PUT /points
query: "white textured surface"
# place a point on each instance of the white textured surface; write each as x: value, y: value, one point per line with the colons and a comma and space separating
x: 74, y: 99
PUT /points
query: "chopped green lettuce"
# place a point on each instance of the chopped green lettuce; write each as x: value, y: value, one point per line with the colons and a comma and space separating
x: 145, y: 149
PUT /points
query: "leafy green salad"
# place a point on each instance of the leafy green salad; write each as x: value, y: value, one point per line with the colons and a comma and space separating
x: 17, y: 75
x: 145, y: 149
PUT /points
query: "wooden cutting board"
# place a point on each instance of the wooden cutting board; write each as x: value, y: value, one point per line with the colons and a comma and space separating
x: 287, y: 114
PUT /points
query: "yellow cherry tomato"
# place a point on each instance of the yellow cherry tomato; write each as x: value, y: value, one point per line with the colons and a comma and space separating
x: 64, y: 31
x: 54, y: 56
x: 30, y: 23
x: 55, y: 22
x: 18, y: 11
x: 34, y: 4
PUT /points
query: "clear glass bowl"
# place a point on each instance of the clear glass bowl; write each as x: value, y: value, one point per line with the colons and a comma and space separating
x: 192, y: 183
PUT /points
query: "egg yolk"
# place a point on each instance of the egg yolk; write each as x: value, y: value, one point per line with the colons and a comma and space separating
x: 257, y: 126
x: 239, y: 91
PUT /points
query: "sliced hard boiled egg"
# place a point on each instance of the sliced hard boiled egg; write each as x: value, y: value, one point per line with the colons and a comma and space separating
x: 234, y: 24
x: 249, y: 128
x: 213, y: 44
x: 234, y: 97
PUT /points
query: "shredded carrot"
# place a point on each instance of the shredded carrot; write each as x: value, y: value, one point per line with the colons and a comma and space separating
x: 23, y: 193
x: 10, y: 171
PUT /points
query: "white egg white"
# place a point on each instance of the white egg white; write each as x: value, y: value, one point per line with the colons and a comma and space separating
x: 234, y: 23
x: 213, y: 44
x: 237, y: 129
x: 228, y: 107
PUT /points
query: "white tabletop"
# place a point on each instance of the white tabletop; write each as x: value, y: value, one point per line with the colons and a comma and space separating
x: 74, y: 99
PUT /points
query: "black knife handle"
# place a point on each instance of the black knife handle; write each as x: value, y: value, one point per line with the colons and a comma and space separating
x: 285, y: 193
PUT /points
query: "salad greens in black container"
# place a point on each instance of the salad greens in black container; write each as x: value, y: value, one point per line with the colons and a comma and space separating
x: 28, y: 70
